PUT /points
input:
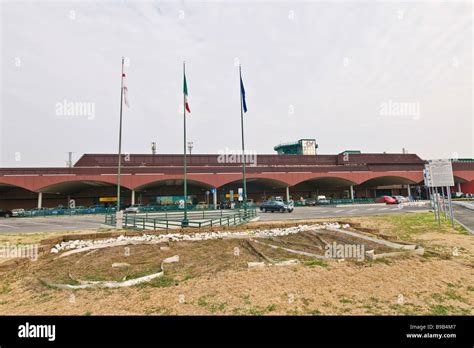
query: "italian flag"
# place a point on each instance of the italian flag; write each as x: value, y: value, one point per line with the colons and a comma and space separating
x: 185, y: 91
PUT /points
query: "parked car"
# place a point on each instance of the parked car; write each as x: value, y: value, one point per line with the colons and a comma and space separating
x: 59, y: 210
x: 5, y: 213
x: 133, y: 209
x: 18, y: 212
x: 322, y: 200
x: 202, y: 205
x: 272, y: 206
x: 38, y: 211
x: 224, y: 205
x: 310, y: 201
x: 467, y: 195
x: 456, y: 194
x: 386, y: 200
x: 401, y: 199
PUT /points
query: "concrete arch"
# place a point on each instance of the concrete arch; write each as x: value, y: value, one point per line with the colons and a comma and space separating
x: 4, y: 186
x: 467, y: 175
x: 65, y: 185
x: 16, y: 196
x: 462, y: 179
x: 171, y: 182
x: 252, y: 179
x: 332, y: 181
x: 385, y: 180
x: 347, y: 178
x: 278, y: 178
x: 138, y: 182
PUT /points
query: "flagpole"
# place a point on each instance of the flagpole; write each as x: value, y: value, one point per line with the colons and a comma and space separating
x: 243, y: 143
x: 120, y: 142
x: 185, y: 221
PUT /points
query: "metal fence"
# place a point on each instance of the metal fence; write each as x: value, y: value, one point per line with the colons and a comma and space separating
x: 170, y: 220
x: 64, y: 212
x: 103, y: 210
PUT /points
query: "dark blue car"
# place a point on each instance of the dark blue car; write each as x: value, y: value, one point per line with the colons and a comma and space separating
x: 272, y: 206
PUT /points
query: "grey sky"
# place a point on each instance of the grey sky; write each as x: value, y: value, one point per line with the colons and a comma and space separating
x: 311, y: 69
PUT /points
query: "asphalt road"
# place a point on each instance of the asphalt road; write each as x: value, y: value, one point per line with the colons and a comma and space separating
x: 90, y: 222
x: 465, y: 217
x: 301, y: 213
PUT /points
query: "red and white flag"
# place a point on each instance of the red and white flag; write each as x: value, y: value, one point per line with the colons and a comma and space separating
x: 125, y: 91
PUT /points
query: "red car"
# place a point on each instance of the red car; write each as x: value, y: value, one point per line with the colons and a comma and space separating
x: 386, y: 199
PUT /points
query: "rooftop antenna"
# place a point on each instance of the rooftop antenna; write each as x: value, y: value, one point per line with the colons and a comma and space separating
x: 69, y: 161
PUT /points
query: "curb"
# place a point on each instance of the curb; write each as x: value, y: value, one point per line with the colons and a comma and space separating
x: 467, y: 228
x: 464, y: 205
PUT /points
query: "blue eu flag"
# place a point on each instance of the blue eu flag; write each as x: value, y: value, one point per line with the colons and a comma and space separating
x: 242, y: 91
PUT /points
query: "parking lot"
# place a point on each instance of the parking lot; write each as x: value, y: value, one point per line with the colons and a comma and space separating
x: 91, y: 222
x: 303, y: 213
x: 50, y: 224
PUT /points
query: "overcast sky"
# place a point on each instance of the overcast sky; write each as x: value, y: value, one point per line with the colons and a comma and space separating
x: 343, y: 73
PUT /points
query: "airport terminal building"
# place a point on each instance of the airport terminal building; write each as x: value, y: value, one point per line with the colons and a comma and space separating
x: 158, y: 178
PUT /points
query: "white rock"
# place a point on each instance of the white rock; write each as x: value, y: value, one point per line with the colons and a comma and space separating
x: 120, y: 265
x: 287, y: 263
x: 255, y: 264
x: 171, y: 259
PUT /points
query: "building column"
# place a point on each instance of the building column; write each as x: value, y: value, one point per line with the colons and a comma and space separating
x: 214, y: 198
x: 352, y: 192
x: 409, y: 190
x: 459, y: 187
x: 40, y: 199
x: 288, y: 193
x: 133, y: 197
